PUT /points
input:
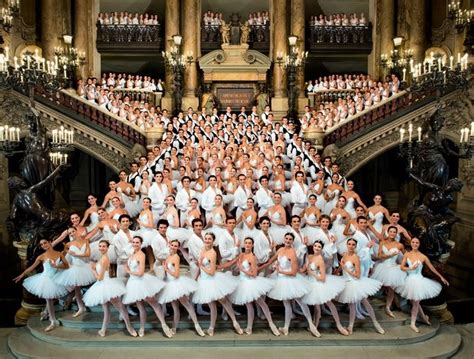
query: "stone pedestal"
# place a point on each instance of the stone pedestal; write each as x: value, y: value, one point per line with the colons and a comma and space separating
x: 154, y: 136
x: 315, y: 136
x: 279, y: 106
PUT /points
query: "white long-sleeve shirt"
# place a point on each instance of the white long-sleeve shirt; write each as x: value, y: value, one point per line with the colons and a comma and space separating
x: 262, y: 247
x: 158, y: 196
x: 227, y: 246
x: 240, y: 197
x: 299, y: 194
x: 183, y: 199
x: 263, y: 198
x: 208, y: 198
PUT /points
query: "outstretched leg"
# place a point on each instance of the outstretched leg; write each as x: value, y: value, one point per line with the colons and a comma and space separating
x: 352, y: 315
x: 335, y: 315
x: 117, y: 303
x: 80, y: 302
x: 288, y: 315
x: 142, y: 313
x: 190, y: 308
x: 266, y: 311
x: 250, y: 317
x: 414, y: 314
x: 228, y: 308
x: 176, y: 316
x: 52, y: 315
x: 307, y: 315
x: 388, y: 303
x: 159, y: 314
x: 212, y: 323
x: 371, y: 312
x: 106, y: 320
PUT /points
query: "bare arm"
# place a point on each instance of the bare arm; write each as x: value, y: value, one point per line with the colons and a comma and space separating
x: 37, y: 262
x: 433, y: 269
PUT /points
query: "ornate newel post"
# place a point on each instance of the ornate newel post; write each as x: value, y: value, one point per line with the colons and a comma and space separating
x: 315, y: 135
x: 154, y: 136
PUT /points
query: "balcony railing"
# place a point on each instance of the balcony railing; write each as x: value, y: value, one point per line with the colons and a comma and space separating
x: 143, y: 38
x: 334, y: 39
x: 321, y: 96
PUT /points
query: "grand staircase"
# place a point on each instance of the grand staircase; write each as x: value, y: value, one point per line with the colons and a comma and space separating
x: 78, y: 338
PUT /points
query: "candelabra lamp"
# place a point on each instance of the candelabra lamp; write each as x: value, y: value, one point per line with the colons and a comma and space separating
x: 7, y: 14
x: 292, y: 63
x: 399, y: 62
x: 460, y: 17
x: 176, y: 63
x: 68, y: 59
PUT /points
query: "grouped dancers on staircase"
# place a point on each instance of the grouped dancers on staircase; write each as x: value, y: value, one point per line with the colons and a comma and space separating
x: 236, y: 210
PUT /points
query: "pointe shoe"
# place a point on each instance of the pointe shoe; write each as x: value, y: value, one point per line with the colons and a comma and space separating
x: 248, y: 331
x: 54, y: 324
x: 132, y: 332
x: 343, y: 331
x: 173, y: 331
x: 101, y: 333
x: 141, y: 332
x: 379, y: 328
x: 167, y: 331
x: 414, y: 328
x: 426, y: 319
x: 283, y: 331
x: 131, y: 311
x: 44, y: 315
x: 314, y: 331
x: 210, y: 332
x: 199, y: 330
x: 349, y: 330
x: 389, y: 312
x: 237, y: 328
x: 79, y: 312
x: 274, y: 330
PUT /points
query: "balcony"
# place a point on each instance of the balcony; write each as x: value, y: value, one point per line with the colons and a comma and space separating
x: 259, y: 38
x: 129, y: 38
x: 340, y: 39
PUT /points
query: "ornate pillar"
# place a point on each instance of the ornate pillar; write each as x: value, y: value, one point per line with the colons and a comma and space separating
x: 49, y: 29
x: 387, y: 26
x: 298, y: 29
x: 190, y: 41
x: 417, y: 29
x: 85, y: 15
x: 280, y: 45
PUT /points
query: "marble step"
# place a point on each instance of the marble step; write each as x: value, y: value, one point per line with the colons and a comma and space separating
x: 432, y: 342
x: 227, y: 337
x: 93, y: 320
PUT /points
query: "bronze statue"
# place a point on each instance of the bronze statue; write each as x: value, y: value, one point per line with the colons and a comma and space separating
x: 225, y: 31
x: 244, y: 33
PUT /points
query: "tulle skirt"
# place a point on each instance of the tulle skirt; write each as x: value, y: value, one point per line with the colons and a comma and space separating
x: 250, y: 289
x: 323, y: 292
x: 44, y: 286
x: 358, y: 289
x: 417, y: 287
x: 287, y: 287
x: 147, y: 234
x: 103, y: 291
x: 177, y: 288
x: 139, y: 288
x: 211, y: 288
x: 278, y: 232
x: 181, y: 234
x: 133, y: 207
x: 245, y: 232
x: 389, y: 274
x: 76, y: 276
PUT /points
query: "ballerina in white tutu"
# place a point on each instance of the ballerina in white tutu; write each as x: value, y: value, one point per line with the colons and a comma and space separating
x: 147, y: 229
x: 214, y: 286
x: 107, y: 290
x: 252, y: 288
x: 358, y: 288
x: 277, y: 216
x: 417, y: 287
x: 79, y: 274
x: 143, y: 287
x: 289, y: 284
x: 178, y: 288
x: 174, y: 230
x: 352, y: 199
x: 248, y: 219
x: 91, y: 215
x: 324, y: 287
x: 310, y: 217
x: 377, y: 213
x: 387, y: 270
x: 108, y: 227
x: 44, y: 285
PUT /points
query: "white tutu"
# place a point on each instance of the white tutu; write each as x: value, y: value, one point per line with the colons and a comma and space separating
x: 323, y: 292
x: 388, y: 271
x: 177, y: 288
x: 133, y: 207
x: 250, y: 288
x: 417, y: 287
x: 358, y: 289
x: 96, y: 255
x: 141, y: 287
x: 180, y: 234
x: 103, y: 291
x: 77, y: 275
x: 211, y: 288
x: 147, y: 234
x: 277, y: 232
x: 287, y: 287
x: 245, y: 232
x: 44, y: 284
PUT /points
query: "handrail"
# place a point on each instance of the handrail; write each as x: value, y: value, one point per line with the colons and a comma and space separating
x: 397, y: 105
x: 71, y: 104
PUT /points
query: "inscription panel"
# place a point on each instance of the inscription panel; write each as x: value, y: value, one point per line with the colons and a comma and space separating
x: 235, y: 97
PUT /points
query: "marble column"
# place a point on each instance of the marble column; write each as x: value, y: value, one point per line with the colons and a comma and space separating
x: 190, y: 40
x: 280, y: 45
x: 387, y: 28
x: 49, y: 28
x: 417, y: 30
x: 298, y: 29
x: 171, y: 28
x: 85, y: 18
